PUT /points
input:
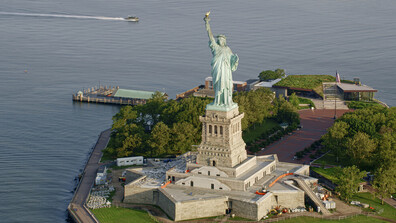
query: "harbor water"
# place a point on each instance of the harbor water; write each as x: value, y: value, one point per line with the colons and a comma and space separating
x: 49, y: 49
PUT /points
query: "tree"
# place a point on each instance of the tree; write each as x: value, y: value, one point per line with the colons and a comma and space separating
x: 293, y: 99
x: 126, y: 116
x: 280, y: 72
x: 334, y: 138
x: 386, y: 151
x: 159, y: 139
x: 288, y: 113
x: 256, y: 105
x: 385, y: 181
x: 150, y: 112
x: 271, y: 75
x: 348, y: 181
x: 183, y: 136
x: 259, y: 104
x: 360, y: 147
x: 169, y: 112
x: 241, y: 99
x: 129, y: 145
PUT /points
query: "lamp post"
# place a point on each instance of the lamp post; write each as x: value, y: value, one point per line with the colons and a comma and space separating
x: 335, y: 107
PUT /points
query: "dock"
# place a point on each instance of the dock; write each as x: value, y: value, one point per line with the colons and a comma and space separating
x: 113, y: 95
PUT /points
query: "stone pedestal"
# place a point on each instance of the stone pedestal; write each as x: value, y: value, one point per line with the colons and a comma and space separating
x: 222, y: 144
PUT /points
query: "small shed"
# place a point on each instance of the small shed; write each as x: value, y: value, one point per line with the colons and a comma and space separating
x: 101, y: 175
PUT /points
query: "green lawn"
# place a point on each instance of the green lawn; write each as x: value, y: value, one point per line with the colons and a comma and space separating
x: 359, y: 218
x: 361, y: 104
x: 388, y: 211
x: 105, y: 158
x: 331, y: 159
x: 329, y: 173
x: 253, y: 133
x: 121, y: 215
x: 305, y: 101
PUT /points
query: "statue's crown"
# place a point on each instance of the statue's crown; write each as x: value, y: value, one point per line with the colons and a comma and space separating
x: 221, y: 36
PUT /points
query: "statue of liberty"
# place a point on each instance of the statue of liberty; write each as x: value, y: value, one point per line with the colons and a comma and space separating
x: 224, y: 62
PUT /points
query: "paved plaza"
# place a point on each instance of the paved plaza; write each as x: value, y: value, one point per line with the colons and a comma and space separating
x: 314, y: 125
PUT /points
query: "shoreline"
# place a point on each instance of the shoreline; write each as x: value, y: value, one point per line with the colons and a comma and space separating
x: 76, y: 208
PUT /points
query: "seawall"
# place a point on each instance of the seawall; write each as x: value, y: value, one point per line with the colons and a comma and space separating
x: 77, y: 209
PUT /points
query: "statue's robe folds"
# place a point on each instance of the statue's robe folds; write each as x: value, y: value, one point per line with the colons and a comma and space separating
x: 224, y: 62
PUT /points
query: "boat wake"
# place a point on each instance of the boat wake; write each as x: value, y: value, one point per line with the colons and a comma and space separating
x: 63, y: 16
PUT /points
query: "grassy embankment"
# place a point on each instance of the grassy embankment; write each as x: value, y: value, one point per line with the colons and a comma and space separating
x: 253, y: 133
x: 362, y: 104
x: 331, y: 159
x: 385, y: 210
x: 305, y: 101
x: 121, y: 215
x: 329, y: 173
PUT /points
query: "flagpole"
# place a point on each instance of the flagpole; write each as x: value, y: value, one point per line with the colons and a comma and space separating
x: 335, y: 96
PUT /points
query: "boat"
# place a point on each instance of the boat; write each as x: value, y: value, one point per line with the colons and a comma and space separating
x: 132, y: 18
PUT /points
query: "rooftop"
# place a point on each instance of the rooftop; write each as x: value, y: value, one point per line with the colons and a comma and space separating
x: 127, y: 158
x: 355, y: 88
x: 268, y: 83
x: 239, y: 82
x: 250, y: 81
x: 125, y: 93
x: 183, y: 193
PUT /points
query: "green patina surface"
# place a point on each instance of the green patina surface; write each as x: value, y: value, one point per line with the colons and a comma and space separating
x: 224, y: 62
x: 124, y: 93
x: 214, y: 107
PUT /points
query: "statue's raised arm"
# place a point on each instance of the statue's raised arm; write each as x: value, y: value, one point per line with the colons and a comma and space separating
x: 207, y: 25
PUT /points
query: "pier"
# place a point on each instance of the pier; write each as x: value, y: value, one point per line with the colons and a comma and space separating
x: 113, y: 95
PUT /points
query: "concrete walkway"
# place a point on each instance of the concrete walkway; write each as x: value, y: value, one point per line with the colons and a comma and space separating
x: 388, y: 200
x: 76, y: 207
x: 315, y: 123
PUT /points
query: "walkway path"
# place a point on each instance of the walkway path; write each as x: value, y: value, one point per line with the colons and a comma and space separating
x: 312, y: 196
x: 388, y: 200
x: 315, y: 124
x: 76, y: 207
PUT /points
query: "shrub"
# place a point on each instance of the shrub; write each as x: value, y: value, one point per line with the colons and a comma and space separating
x: 299, y: 155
